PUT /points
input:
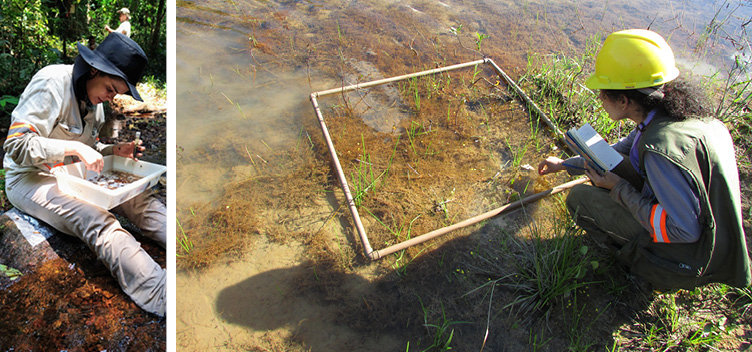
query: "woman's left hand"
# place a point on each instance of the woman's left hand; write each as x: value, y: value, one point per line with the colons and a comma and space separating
x: 607, y: 180
x: 126, y: 150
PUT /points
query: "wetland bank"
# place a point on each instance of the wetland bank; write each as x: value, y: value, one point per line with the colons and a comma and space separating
x: 269, y: 259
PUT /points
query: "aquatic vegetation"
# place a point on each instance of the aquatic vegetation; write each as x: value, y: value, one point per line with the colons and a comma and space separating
x: 479, y: 39
x: 415, y: 130
x: 363, y: 179
x: 463, y: 147
x: 462, y: 131
x: 415, y: 94
x: 402, y: 259
x: 518, y: 153
x: 544, y: 270
x: 185, y: 243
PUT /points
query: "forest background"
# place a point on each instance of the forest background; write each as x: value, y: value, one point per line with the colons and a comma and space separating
x: 37, y: 33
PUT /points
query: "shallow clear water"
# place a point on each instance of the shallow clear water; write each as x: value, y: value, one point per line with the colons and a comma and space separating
x: 230, y: 92
x: 245, y: 71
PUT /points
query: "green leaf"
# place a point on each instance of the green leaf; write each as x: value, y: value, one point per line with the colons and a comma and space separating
x: 12, y: 273
x: 580, y: 273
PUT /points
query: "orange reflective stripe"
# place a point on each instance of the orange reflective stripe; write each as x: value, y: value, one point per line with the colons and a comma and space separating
x: 652, y: 216
x: 18, y: 129
x: 23, y: 124
x: 658, y: 223
x: 54, y: 166
x: 663, y: 226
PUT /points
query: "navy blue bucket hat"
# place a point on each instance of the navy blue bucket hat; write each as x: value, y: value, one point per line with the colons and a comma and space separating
x: 120, y: 56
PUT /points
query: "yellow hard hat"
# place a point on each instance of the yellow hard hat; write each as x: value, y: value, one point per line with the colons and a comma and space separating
x: 633, y: 59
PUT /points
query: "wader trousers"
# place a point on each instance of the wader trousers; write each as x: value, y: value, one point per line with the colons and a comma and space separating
x: 140, y: 277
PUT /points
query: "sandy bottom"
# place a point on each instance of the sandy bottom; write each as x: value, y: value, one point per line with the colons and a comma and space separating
x: 252, y: 303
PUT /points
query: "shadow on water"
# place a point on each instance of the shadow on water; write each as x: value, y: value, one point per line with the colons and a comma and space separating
x: 327, y: 308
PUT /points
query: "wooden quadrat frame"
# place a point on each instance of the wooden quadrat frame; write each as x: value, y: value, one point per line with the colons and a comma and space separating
x: 380, y: 253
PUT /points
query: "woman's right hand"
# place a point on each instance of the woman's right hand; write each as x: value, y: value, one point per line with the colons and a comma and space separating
x: 550, y: 165
x: 90, y: 157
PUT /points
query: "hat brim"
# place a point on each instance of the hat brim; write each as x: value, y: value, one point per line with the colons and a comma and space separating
x: 100, y: 63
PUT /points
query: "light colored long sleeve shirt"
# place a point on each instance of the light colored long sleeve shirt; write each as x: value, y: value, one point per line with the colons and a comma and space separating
x: 47, y: 112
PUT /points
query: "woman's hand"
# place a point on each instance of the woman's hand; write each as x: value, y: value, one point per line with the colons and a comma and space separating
x: 552, y: 164
x: 90, y: 157
x: 607, y: 180
x: 126, y: 150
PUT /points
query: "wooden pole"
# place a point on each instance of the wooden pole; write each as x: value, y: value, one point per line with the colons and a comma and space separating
x: 474, y: 220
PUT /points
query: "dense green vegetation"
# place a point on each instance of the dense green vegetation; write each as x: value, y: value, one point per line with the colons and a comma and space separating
x: 37, y: 33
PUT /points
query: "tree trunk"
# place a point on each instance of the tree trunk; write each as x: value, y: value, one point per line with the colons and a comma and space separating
x: 154, y: 42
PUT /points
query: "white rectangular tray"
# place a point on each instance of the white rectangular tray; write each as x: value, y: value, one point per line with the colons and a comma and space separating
x: 72, y: 180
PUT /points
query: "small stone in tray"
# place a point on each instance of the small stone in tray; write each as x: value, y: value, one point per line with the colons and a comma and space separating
x: 113, y: 179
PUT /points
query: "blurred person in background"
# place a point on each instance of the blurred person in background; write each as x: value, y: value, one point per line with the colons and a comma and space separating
x: 125, y: 23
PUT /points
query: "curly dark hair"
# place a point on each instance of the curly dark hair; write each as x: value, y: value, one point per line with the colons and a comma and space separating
x: 681, y: 100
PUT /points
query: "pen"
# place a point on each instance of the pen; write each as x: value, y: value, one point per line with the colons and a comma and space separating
x: 136, y: 143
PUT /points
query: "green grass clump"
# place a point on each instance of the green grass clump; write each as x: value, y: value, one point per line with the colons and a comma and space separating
x: 364, y: 179
x: 440, y: 333
x: 545, y: 269
x: 185, y: 243
x: 554, y: 82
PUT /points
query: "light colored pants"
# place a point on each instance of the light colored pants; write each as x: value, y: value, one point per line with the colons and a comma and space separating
x: 140, y: 277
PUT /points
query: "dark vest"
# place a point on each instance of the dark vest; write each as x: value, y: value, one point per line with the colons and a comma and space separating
x: 704, y: 150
